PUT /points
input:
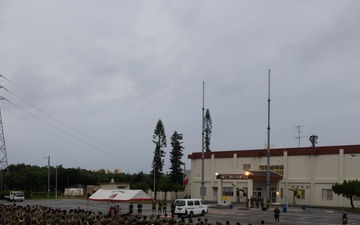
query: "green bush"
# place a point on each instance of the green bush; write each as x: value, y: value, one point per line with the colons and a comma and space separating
x: 3, y: 194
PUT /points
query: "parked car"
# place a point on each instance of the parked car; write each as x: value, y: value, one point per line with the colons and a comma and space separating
x: 190, y: 207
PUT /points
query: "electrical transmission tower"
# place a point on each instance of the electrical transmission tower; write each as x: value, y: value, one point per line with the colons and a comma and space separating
x: 3, y: 155
x: 298, y: 137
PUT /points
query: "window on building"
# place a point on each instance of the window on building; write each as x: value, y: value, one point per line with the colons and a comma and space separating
x: 273, y: 194
x: 257, y: 192
x: 246, y: 167
x: 327, y: 194
x: 245, y: 189
x: 228, y: 191
x: 279, y: 169
x: 204, y: 191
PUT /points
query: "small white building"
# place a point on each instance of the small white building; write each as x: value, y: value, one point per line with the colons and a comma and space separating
x: 74, y: 192
x: 306, y: 173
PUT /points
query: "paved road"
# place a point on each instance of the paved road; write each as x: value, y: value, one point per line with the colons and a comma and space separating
x: 293, y: 216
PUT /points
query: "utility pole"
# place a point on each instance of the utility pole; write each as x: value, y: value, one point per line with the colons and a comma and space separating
x: 48, y: 190
x: 56, y: 182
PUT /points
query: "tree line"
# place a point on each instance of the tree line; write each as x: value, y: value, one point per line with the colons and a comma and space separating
x: 33, y: 179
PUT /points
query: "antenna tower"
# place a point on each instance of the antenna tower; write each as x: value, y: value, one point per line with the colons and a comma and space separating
x: 298, y: 137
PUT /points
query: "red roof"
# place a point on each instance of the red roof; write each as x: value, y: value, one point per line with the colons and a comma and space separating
x: 322, y: 150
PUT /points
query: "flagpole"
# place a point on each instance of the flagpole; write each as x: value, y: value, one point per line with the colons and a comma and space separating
x: 268, y: 147
x: 203, y: 145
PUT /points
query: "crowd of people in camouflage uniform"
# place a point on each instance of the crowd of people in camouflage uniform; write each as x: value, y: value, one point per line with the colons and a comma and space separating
x: 13, y: 214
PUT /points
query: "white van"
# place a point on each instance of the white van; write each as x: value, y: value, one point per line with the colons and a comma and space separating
x: 16, y: 196
x: 190, y: 207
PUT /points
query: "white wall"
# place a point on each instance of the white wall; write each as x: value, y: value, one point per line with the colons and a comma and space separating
x: 311, y: 173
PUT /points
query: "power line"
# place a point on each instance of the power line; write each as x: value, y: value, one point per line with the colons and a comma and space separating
x: 126, y: 159
x: 54, y: 134
x: 111, y: 157
x: 64, y: 115
x: 63, y: 123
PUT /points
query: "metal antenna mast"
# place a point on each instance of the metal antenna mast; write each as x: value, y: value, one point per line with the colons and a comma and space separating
x: 3, y: 156
x: 298, y: 138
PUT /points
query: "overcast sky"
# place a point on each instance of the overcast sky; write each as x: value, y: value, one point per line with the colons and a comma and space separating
x: 87, y: 81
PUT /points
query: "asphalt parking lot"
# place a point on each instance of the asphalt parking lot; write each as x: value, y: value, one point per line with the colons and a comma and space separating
x: 293, y: 216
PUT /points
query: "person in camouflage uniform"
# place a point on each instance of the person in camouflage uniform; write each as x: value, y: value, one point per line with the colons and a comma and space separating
x: 164, y: 205
x: 131, y: 208
x: 153, y: 207
x: 159, y: 207
x: 172, y: 209
x: 139, y: 208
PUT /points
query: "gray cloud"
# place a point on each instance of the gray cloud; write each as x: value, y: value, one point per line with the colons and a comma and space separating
x: 110, y: 70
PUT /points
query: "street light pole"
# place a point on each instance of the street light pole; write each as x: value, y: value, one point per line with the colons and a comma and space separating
x: 48, y: 186
x: 56, y: 182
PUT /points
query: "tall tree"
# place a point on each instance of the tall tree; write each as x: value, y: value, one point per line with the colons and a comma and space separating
x: 313, y: 139
x: 207, y: 129
x: 347, y: 189
x: 141, y: 181
x: 159, y: 139
x: 176, y: 171
x: 165, y: 185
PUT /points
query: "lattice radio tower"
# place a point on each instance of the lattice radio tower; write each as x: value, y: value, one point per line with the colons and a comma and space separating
x: 298, y: 137
x: 3, y: 155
